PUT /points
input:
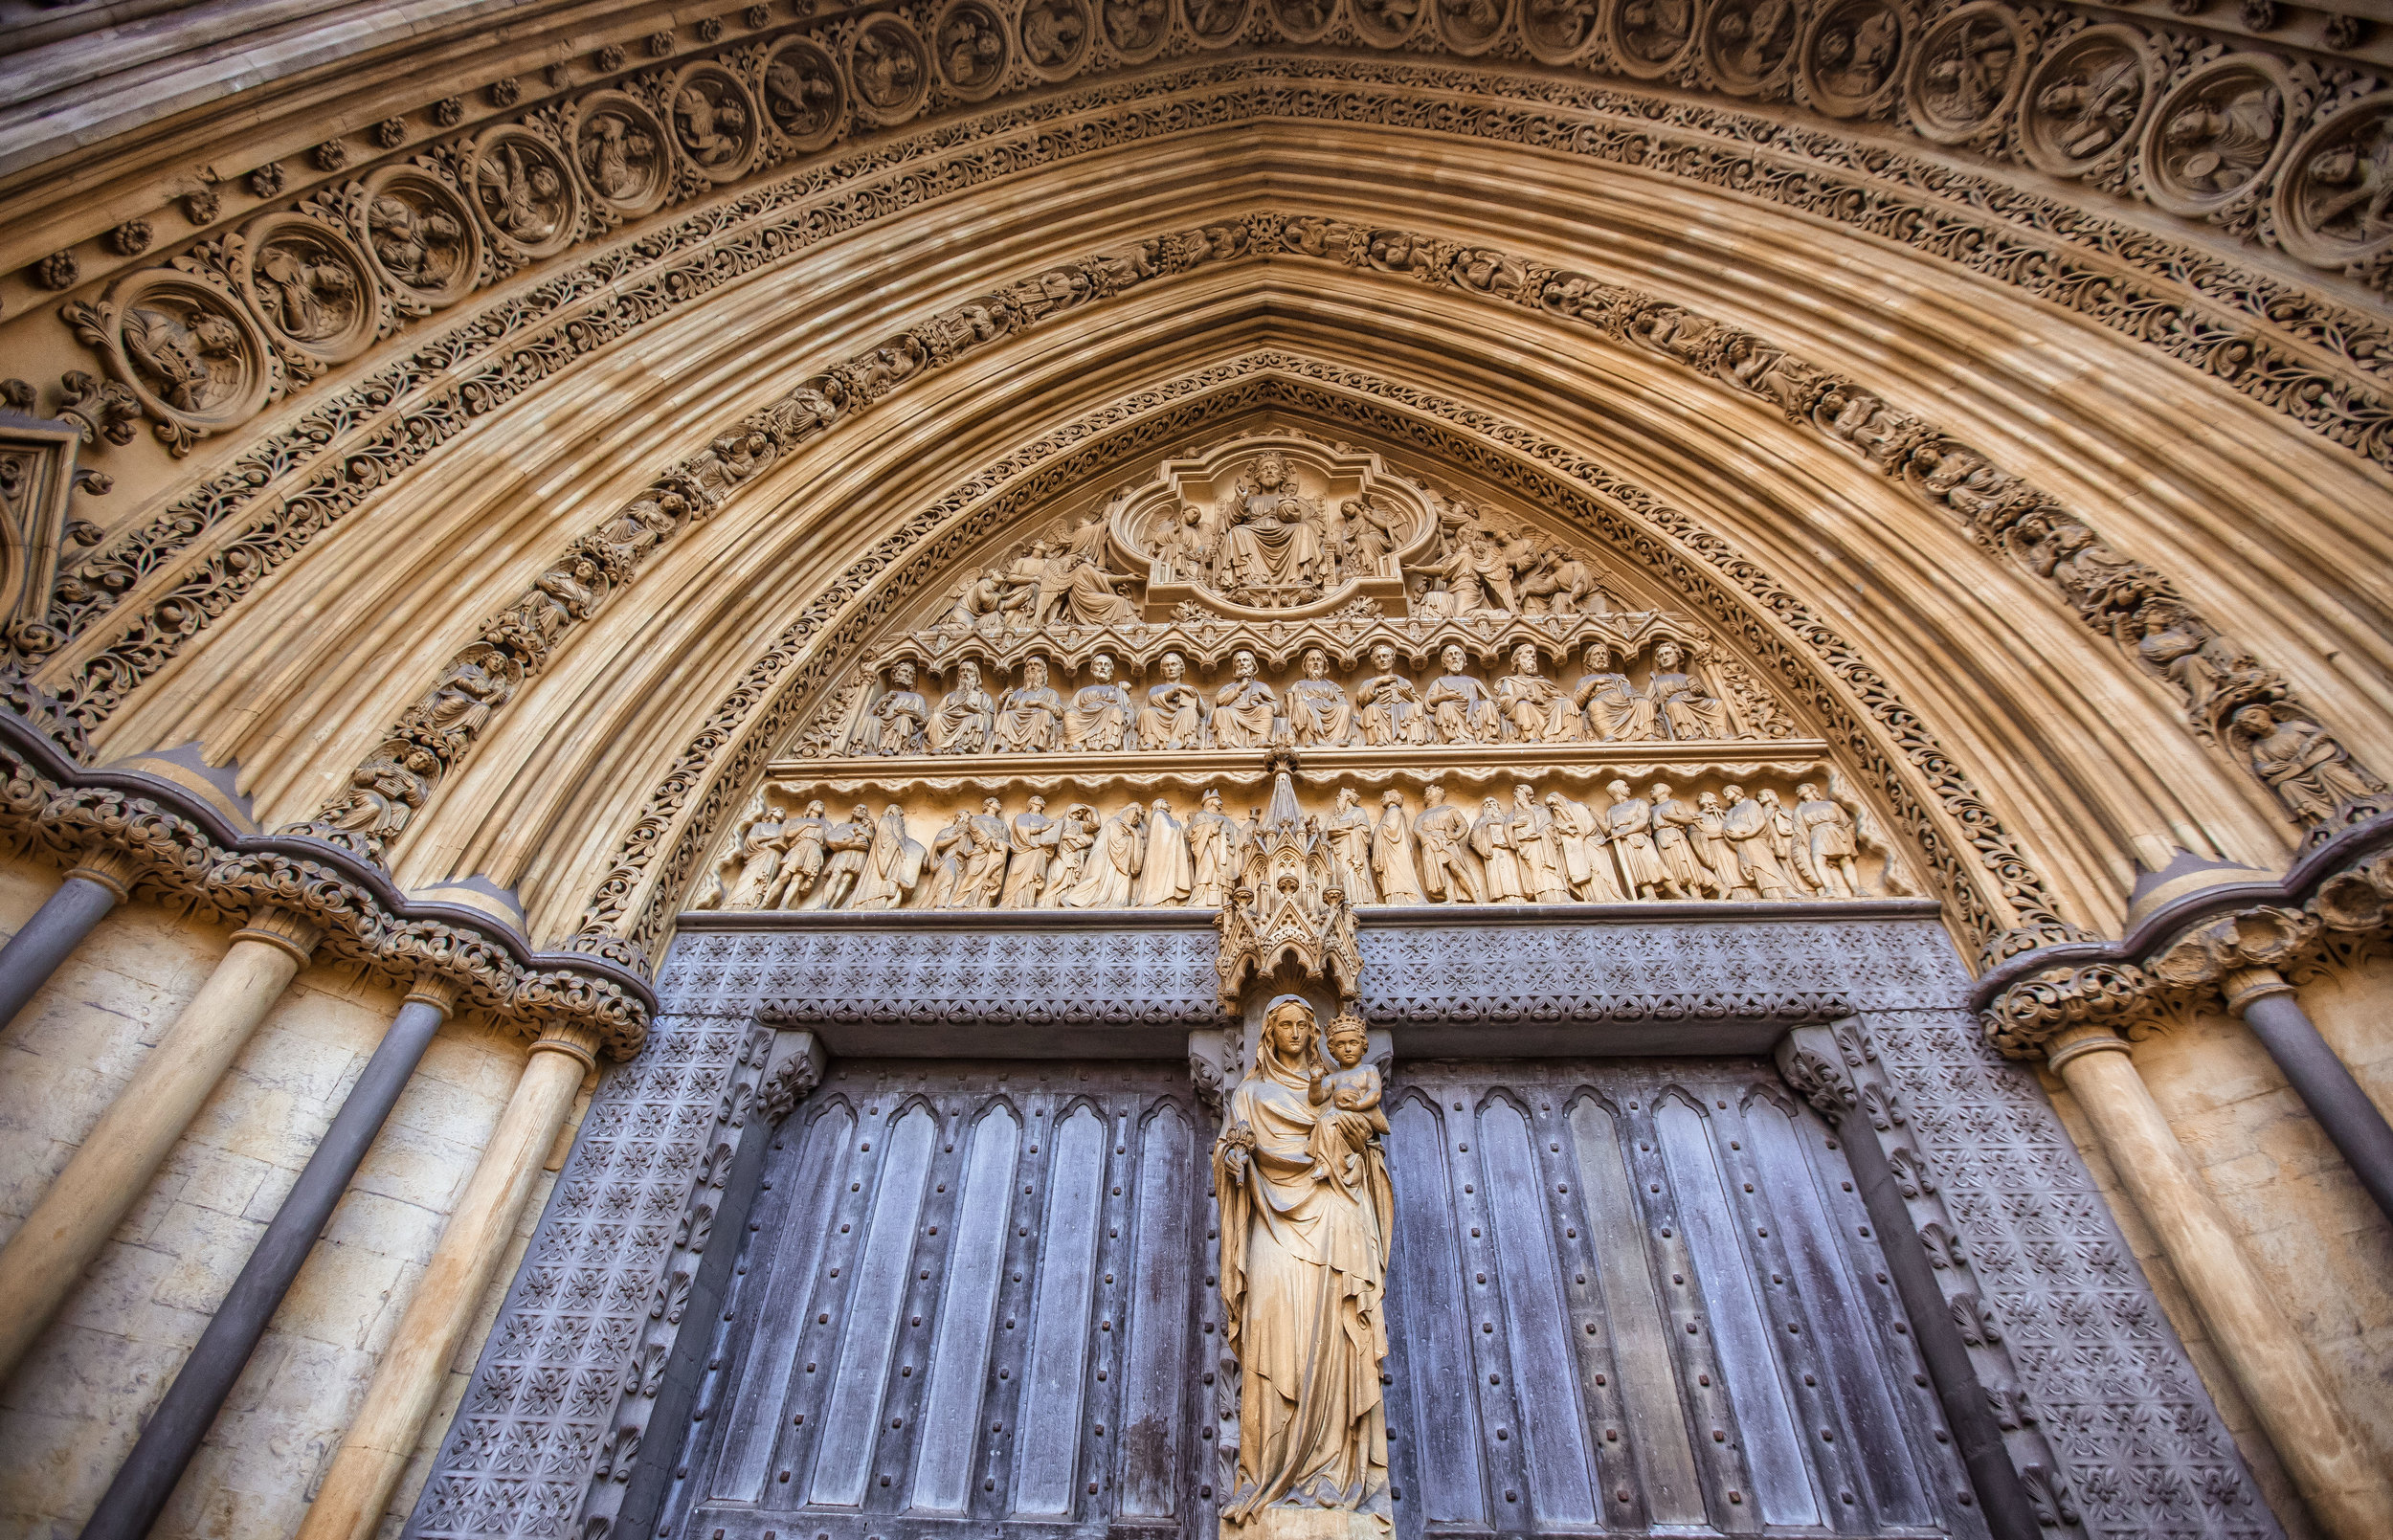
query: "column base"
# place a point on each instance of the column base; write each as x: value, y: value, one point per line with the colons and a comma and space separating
x: 1308, y: 1524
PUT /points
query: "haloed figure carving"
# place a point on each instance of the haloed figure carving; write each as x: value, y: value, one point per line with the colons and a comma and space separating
x: 1306, y: 1217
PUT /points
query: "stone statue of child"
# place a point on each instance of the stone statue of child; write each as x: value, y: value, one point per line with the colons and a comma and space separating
x: 1353, y: 1086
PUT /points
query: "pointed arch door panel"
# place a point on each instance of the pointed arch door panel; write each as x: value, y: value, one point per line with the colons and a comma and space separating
x: 967, y: 1304
x: 1641, y: 1296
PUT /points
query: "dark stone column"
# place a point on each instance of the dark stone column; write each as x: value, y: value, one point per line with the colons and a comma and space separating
x: 2321, y: 1080
x: 140, y: 1491
x: 57, y: 928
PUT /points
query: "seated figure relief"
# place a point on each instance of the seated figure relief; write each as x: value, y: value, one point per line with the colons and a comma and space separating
x: 1624, y: 845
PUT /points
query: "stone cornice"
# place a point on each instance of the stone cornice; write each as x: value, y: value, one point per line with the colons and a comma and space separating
x: 2185, y: 953
x: 173, y: 846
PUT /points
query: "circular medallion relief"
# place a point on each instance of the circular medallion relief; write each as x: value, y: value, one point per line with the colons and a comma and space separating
x: 528, y: 200
x: 888, y: 69
x: 1055, y: 36
x: 1135, y: 28
x: 1387, y: 23
x: 308, y: 285
x: 1650, y: 35
x: 1966, y: 73
x: 1852, y: 55
x: 2086, y: 100
x: 804, y: 98
x: 199, y: 364
x: 620, y: 149
x: 1214, y: 23
x: 1304, y: 21
x: 2335, y: 202
x: 2217, y: 136
x: 1473, y: 26
x: 418, y: 233
x: 1748, y: 43
x: 970, y: 49
x: 714, y: 120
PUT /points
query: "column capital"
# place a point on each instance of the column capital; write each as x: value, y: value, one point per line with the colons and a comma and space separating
x: 434, y: 989
x: 108, y: 867
x: 2026, y: 1017
x: 283, y: 928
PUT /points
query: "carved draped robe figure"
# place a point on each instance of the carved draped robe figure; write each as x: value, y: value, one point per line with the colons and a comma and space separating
x: 1166, y: 874
x: 801, y: 863
x: 760, y: 862
x: 1615, y: 712
x: 983, y: 876
x: 1244, y: 709
x: 1388, y: 709
x: 1492, y: 835
x: 1533, y: 704
x: 1674, y: 830
x: 961, y: 723
x: 894, y: 724
x: 849, y: 841
x: 1824, y: 843
x: 1306, y: 1214
x: 1392, y: 854
x: 1110, y: 874
x: 1100, y: 716
x: 2310, y: 772
x: 1747, y: 825
x: 1534, y: 839
x: 1030, y: 846
x: 1213, y: 850
x: 1350, y: 833
x: 1685, y: 710
x: 893, y: 864
x: 1027, y: 720
x: 1712, y: 846
x: 1318, y: 712
x: 1174, y: 715
x: 1448, y: 868
x: 1630, y: 820
x: 1780, y: 825
x: 1578, y: 836
x: 1075, y: 833
x: 1270, y: 540
x: 1460, y: 707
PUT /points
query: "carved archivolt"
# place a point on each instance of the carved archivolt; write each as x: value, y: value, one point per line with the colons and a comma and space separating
x: 447, y: 219
x: 1993, y: 893
x: 1216, y: 557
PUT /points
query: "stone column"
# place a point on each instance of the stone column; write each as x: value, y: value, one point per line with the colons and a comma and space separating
x: 2324, y: 1083
x: 172, y: 1435
x: 93, y: 886
x: 43, y: 1263
x: 2348, y: 1494
x: 367, y: 1464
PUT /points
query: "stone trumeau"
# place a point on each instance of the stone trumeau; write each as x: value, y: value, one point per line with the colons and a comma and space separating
x: 1196, y: 770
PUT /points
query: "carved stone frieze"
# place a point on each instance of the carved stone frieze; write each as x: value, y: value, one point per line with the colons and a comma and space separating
x: 1590, y: 496
x: 183, y: 856
x: 373, y: 428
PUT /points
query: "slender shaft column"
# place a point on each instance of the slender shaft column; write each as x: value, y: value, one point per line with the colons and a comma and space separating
x: 2349, y: 1495
x: 2321, y: 1080
x: 367, y: 1464
x: 93, y: 888
x: 140, y: 1491
x: 2010, y: 1513
x: 43, y: 1261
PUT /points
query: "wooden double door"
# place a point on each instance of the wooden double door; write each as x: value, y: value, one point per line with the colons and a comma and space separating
x: 1626, y: 1297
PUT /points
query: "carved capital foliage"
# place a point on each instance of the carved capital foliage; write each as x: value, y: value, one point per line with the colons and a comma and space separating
x: 2031, y: 1012
x: 168, y: 855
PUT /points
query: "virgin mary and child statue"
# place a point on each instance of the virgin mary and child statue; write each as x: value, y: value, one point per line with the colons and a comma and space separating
x: 1307, y: 1216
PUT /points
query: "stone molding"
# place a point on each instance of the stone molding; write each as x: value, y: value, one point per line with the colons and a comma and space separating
x: 283, y: 493
x: 173, y: 848
x: 2100, y: 1405
x: 1997, y: 898
x: 2334, y: 902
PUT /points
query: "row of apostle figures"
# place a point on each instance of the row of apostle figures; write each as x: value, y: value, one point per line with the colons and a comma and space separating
x: 1550, y: 850
x: 1386, y: 707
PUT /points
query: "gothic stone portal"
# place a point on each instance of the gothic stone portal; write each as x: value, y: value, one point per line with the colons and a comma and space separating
x: 971, y: 1291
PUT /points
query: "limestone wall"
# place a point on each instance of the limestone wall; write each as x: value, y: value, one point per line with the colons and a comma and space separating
x: 74, y: 1408
x: 2319, y: 1243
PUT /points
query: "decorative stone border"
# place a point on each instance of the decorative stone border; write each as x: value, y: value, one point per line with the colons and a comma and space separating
x: 183, y: 852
